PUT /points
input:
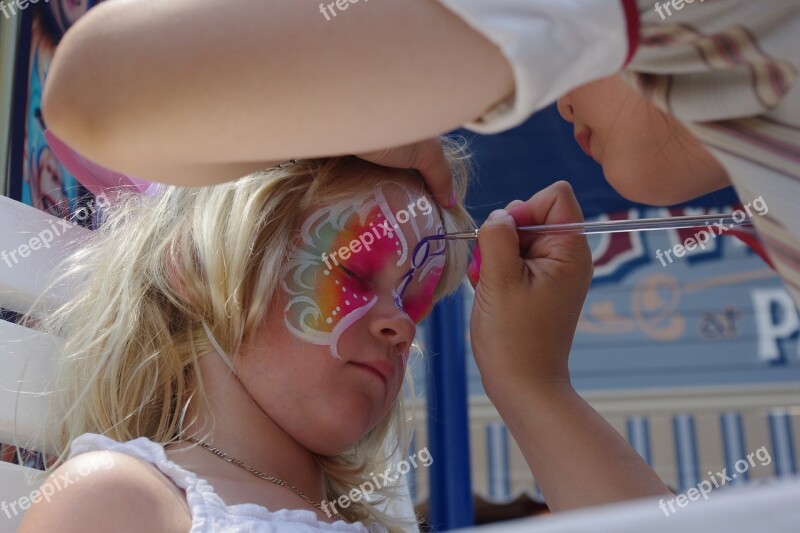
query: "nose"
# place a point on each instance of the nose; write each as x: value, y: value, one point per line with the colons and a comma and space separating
x: 564, y: 105
x: 393, y: 326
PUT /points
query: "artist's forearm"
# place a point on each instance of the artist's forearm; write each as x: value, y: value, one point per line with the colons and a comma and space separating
x: 577, y: 457
x: 140, y: 84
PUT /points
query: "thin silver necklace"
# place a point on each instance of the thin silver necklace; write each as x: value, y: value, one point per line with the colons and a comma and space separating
x: 222, y: 455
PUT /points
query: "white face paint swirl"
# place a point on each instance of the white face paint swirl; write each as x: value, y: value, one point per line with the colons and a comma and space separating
x: 339, y: 248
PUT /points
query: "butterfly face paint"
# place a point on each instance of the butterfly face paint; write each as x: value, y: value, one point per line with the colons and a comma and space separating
x: 343, y: 247
x: 415, y: 290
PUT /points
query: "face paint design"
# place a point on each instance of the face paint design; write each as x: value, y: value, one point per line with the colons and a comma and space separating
x: 341, y: 248
x: 415, y: 292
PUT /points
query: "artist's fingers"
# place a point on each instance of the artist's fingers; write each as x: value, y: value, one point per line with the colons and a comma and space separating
x: 474, y: 268
x: 499, y: 252
x: 429, y: 159
x: 555, y: 204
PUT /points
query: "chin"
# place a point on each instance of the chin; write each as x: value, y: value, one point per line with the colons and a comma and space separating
x: 682, y: 172
x: 337, y: 437
x: 654, y: 198
x: 658, y: 191
x: 329, y: 449
x: 328, y: 441
x: 334, y: 445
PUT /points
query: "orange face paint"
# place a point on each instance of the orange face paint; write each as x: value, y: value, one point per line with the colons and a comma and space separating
x: 343, y: 247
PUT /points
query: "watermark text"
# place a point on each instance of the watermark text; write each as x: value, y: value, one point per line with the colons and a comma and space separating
x: 383, y: 229
x: 368, y: 487
x: 714, y: 481
x: 677, y: 5
x: 11, y: 8
x: 46, y: 236
x: 56, y: 484
x: 703, y: 237
x: 330, y: 10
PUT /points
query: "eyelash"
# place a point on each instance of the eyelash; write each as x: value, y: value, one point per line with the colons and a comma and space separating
x: 349, y: 273
x: 353, y: 275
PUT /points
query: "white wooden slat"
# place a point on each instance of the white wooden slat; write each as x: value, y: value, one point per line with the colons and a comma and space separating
x: 770, y: 508
x: 24, y: 271
x: 27, y: 360
x: 15, y: 482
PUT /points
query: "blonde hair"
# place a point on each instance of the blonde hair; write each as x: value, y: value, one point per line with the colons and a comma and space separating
x: 160, y: 265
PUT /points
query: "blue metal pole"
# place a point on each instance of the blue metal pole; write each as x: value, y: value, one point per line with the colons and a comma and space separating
x: 448, y: 430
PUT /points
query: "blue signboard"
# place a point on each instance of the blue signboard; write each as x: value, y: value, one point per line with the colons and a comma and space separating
x: 718, y: 315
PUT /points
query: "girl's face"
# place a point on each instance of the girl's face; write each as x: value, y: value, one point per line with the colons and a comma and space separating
x: 647, y: 155
x: 330, y: 361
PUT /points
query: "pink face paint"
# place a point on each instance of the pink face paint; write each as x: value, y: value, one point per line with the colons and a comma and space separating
x: 418, y: 304
x: 474, y: 269
x: 415, y: 291
x: 327, y: 275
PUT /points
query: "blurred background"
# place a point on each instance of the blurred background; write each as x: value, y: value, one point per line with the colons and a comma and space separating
x: 696, y: 363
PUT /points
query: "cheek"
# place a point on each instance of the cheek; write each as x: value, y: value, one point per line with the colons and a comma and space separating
x: 419, y: 303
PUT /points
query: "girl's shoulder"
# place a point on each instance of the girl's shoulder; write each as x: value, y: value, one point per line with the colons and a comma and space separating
x: 134, y: 486
x: 106, y: 490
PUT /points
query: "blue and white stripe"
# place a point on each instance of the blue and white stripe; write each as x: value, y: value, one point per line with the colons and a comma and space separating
x: 686, y: 451
x: 733, y: 444
x: 497, y: 460
x: 639, y: 436
x: 780, y: 427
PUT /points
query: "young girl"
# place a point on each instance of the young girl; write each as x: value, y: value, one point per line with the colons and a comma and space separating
x: 234, y: 355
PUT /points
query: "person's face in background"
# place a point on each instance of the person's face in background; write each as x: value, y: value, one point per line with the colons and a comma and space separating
x: 646, y: 155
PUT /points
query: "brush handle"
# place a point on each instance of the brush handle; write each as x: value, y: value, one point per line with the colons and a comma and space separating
x: 620, y: 226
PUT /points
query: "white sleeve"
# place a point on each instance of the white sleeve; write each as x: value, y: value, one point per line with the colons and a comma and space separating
x: 552, y: 46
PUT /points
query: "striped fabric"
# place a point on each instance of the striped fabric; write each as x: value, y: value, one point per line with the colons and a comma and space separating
x: 733, y: 443
x: 686, y: 448
x: 730, y: 71
x: 497, y: 461
x: 780, y: 426
x: 639, y: 436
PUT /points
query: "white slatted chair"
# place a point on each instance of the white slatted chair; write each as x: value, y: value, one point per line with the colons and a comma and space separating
x: 770, y: 508
x: 26, y: 356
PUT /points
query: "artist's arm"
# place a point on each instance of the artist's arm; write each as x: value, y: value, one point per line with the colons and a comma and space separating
x: 527, y: 305
x: 202, y: 91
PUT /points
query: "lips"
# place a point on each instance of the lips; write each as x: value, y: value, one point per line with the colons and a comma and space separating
x: 584, y: 139
x: 383, y: 369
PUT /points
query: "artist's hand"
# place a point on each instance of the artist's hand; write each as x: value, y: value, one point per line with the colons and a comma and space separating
x: 529, y: 295
x: 428, y: 158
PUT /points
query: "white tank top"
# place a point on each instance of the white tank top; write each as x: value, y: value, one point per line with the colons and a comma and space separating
x: 209, y: 513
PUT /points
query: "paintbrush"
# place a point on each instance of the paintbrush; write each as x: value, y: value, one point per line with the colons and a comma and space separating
x: 618, y: 226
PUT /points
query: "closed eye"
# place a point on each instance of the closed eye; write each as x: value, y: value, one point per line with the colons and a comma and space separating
x: 353, y: 275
